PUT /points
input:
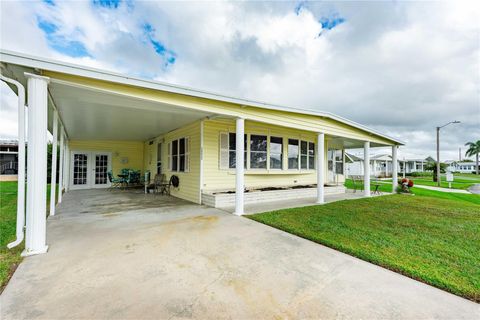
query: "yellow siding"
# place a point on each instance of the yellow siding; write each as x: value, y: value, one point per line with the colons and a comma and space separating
x: 218, y: 179
x: 189, y: 188
x: 150, y: 156
x: 133, y: 150
x: 275, y: 117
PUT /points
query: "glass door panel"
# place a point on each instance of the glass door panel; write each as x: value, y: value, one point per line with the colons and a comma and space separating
x: 101, y: 169
x: 80, y: 169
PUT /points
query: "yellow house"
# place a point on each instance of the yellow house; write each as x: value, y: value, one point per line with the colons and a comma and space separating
x: 222, y: 149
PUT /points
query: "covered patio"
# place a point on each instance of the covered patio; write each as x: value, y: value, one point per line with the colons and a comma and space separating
x: 104, y: 122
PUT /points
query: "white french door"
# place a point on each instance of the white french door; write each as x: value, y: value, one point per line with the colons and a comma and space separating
x: 89, y: 169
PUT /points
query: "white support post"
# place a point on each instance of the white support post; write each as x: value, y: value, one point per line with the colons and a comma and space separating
x: 21, y: 162
x: 66, y: 172
x: 35, y: 240
x: 239, y: 170
x: 62, y: 166
x: 414, y: 166
x: 53, y: 177
x: 321, y: 168
x: 394, y: 169
x: 366, y: 172
x: 200, y: 189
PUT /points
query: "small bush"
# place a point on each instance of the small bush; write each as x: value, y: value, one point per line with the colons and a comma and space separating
x: 420, y: 174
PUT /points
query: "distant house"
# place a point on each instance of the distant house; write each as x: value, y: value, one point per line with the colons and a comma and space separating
x: 8, y: 157
x: 381, y: 165
x: 461, y: 166
x: 413, y: 165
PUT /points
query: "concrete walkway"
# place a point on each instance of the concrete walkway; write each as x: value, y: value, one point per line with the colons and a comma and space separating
x: 442, y: 189
x: 134, y: 256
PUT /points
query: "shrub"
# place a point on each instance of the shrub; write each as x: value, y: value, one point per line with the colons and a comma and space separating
x: 420, y: 174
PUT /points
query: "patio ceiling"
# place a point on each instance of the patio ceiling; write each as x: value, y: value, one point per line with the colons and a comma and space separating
x: 95, y: 115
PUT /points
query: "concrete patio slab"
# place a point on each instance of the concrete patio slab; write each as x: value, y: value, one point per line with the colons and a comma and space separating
x: 134, y: 256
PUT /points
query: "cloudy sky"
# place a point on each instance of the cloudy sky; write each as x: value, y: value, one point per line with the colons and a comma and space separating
x: 399, y: 67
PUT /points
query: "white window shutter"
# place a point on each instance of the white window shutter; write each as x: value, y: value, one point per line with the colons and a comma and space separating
x: 223, y: 151
x: 169, y: 156
x: 187, y: 154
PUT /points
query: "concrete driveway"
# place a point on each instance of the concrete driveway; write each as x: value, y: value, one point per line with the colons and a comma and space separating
x: 133, y: 256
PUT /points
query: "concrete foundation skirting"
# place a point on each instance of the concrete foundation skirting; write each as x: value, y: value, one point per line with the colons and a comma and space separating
x: 8, y: 177
x: 228, y: 199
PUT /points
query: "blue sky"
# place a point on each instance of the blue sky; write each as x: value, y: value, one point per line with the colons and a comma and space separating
x: 399, y: 67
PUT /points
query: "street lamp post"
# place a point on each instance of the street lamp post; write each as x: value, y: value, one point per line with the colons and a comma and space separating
x: 438, y: 149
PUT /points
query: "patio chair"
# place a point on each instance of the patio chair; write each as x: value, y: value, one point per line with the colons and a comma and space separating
x: 165, y: 187
x: 357, y: 183
x: 376, y: 184
x: 114, y: 182
x: 159, y: 181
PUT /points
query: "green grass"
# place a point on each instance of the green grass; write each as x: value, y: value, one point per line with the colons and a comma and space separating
x: 471, y: 198
x: 9, y: 258
x: 432, y: 237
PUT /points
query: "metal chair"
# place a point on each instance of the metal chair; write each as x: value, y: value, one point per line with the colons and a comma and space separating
x: 159, y: 181
x: 357, y: 183
x: 376, y: 185
x: 114, y: 182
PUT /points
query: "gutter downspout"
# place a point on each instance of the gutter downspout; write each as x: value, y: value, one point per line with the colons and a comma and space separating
x: 21, y: 162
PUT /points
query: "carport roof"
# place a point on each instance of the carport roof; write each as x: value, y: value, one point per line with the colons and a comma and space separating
x: 31, y: 62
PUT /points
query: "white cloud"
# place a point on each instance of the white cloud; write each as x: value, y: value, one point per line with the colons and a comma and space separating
x: 400, y: 67
x: 8, y: 113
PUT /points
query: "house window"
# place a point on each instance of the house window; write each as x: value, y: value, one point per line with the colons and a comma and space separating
x: 304, y: 155
x: 311, y: 155
x: 232, y: 147
x: 292, y: 154
x: 258, y: 152
x: 339, y: 161
x: 159, y: 158
x: 307, y: 155
x: 276, y: 153
x: 175, y: 155
x: 179, y: 155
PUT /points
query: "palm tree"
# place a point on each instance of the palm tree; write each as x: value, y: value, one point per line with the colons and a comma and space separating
x: 473, y: 149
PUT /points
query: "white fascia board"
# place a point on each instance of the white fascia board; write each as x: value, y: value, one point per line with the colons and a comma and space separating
x: 77, y: 70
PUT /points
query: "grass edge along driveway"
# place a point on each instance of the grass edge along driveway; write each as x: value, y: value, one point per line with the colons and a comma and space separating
x: 10, y: 258
x: 429, y: 239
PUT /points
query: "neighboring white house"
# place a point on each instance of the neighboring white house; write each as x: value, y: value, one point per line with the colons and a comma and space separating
x: 461, y: 166
x: 8, y: 160
x: 412, y: 165
x: 381, y: 165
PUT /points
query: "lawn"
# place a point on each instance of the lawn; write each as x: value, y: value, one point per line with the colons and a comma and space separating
x: 9, y: 258
x: 432, y: 237
x: 472, y: 198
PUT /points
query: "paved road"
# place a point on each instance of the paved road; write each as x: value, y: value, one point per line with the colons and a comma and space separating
x: 127, y: 256
x: 475, y: 188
